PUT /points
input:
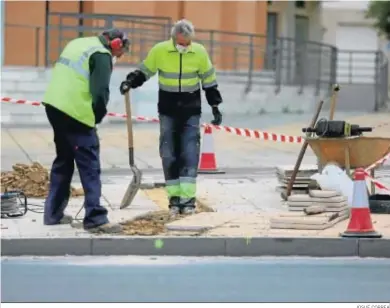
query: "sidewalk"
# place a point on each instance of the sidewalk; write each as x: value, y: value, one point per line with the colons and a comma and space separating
x: 241, y: 220
x: 243, y: 202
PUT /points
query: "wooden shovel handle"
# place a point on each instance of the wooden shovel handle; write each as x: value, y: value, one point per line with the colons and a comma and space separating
x: 129, y: 122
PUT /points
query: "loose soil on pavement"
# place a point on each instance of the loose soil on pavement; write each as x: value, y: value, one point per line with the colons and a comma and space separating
x: 154, y: 223
x: 32, y: 180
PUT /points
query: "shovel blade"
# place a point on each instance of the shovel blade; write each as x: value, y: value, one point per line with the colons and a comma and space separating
x: 133, y: 188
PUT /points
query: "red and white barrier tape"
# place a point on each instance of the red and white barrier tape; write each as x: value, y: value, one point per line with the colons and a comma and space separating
x: 111, y: 114
x: 244, y: 132
x: 19, y: 101
x: 139, y: 118
x: 378, y: 162
x: 376, y: 182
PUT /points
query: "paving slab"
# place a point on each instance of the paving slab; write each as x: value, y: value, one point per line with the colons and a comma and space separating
x: 200, y: 222
x: 258, y: 225
x: 245, y: 195
x: 31, y: 225
x: 231, y: 233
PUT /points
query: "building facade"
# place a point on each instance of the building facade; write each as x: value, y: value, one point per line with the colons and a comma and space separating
x: 345, y: 26
x: 27, y: 19
x: 362, y: 59
x: 266, y: 20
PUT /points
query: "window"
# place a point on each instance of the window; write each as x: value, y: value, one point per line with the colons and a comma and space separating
x: 300, y: 4
x: 272, y: 35
x: 301, y: 28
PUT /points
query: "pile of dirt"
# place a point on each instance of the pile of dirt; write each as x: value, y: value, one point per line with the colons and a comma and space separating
x: 154, y: 223
x: 32, y: 180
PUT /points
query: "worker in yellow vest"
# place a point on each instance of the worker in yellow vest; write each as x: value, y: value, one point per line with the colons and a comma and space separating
x: 75, y: 101
x: 181, y: 65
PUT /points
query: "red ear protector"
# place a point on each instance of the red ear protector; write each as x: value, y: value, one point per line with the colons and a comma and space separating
x: 117, y: 40
x: 116, y: 44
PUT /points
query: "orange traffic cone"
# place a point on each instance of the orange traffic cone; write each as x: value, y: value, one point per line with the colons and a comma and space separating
x: 208, y: 162
x: 360, y: 224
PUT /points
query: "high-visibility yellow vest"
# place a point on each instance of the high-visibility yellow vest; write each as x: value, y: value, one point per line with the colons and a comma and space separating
x: 179, y: 72
x: 68, y: 89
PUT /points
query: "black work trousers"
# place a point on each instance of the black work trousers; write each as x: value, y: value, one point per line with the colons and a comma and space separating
x: 74, y: 143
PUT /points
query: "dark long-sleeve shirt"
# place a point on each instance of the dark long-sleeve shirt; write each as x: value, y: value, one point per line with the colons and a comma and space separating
x: 99, y: 83
x: 100, y: 68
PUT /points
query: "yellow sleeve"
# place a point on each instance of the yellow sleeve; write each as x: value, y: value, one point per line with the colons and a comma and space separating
x: 207, y: 72
x: 149, y: 65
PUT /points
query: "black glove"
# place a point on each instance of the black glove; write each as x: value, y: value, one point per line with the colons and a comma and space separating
x: 217, y: 116
x: 133, y: 80
x: 125, y: 87
x: 127, y: 84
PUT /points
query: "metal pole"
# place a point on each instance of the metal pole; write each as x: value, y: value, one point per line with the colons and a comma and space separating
x: 37, y: 46
x: 47, y: 34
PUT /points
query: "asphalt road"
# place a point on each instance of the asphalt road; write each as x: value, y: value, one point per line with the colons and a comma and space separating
x: 176, y: 279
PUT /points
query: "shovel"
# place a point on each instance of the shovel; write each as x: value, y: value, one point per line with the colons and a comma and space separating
x: 135, y: 183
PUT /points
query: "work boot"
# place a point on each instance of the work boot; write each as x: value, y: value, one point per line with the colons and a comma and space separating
x: 174, y: 210
x: 107, y: 228
x: 188, y: 210
x: 174, y: 206
x: 67, y: 219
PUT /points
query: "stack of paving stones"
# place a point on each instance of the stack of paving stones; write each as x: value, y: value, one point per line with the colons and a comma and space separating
x: 302, y: 180
x: 317, y: 210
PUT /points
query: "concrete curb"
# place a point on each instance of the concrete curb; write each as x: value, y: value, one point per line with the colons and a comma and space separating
x: 196, y: 246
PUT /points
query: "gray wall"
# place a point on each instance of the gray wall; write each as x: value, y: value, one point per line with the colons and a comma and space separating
x: 30, y: 84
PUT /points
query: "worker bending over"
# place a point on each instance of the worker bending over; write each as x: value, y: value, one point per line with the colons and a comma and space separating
x: 181, y: 65
x: 75, y: 101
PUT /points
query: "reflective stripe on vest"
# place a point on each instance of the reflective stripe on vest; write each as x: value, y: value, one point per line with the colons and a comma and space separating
x: 191, y: 75
x: 77, y: 66
x: 192, y: 88
x: 142, y: 67
x: 176, y: 88
x: 177, y: 75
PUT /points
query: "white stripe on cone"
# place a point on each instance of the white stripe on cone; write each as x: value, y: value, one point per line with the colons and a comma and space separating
x: 360, y: 222
x: 208, y: 142
x: 207, y: 158
x: 360, y: 196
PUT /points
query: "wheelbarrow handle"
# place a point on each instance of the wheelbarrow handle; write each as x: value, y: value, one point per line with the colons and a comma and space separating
x: 333, y: 101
